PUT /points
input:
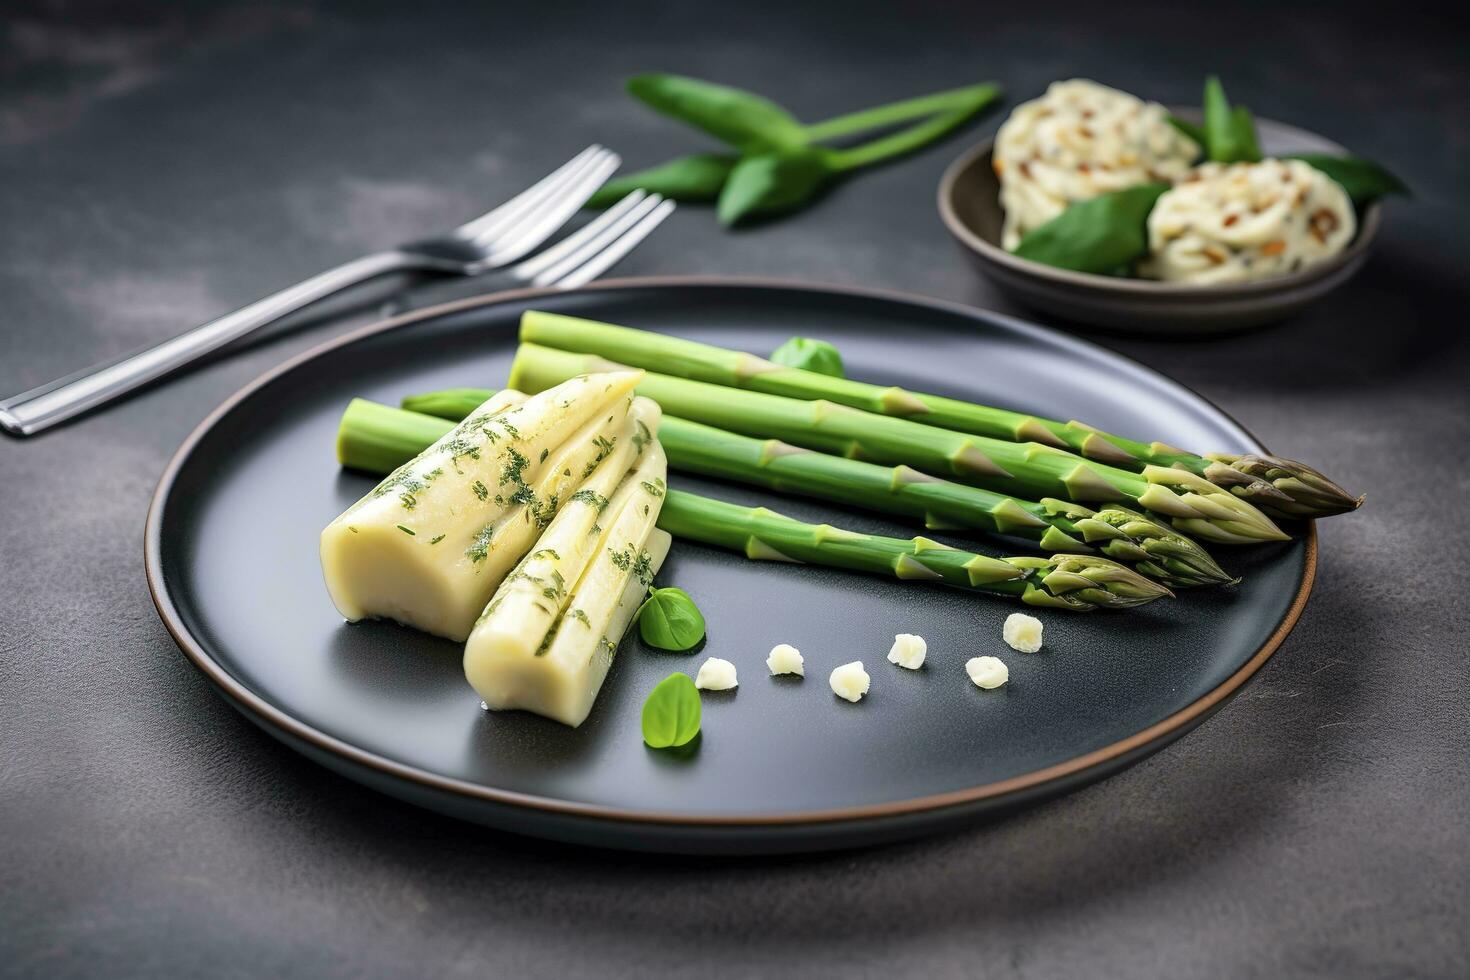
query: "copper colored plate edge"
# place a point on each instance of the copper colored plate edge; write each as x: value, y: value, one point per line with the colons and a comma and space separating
x: 266, y: 713
x: 1368, y: 230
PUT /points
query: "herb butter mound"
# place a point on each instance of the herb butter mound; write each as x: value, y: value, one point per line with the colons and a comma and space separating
x: 1245, y: 221
x: 1077, y: 141
x: 547, y: 638
x: 429, y: 544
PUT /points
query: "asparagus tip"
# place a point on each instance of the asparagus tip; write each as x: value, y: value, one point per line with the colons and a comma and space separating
x: 1197, y: 506
x: 1163, y: 553
x: 1308, y: 492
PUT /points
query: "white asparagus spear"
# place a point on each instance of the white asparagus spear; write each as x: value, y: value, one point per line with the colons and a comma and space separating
x: 561, y: 675
x: 431, y: 542
x: 528, y: 602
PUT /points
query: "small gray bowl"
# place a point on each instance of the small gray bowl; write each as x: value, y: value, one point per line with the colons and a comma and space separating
x: 969, y: 204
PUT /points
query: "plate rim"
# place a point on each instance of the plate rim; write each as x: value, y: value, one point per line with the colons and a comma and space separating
x: 269, y: 716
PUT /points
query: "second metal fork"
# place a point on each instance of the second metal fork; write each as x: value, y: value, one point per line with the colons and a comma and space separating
x: 491, y: 241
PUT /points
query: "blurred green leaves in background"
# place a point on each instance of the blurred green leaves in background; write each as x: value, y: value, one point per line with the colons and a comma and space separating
x: 779, y: 164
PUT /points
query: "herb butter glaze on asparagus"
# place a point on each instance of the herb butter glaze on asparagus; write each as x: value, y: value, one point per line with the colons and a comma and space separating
x: 1031, y: 470
x: 1077, y: 582
x: 1055, y: 525
x: 1280, y: 486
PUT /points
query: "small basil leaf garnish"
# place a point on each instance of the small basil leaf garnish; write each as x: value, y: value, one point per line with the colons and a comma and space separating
x: 1363, y: 180
x: 748, y: 122
x: 809, y: 355
x: 770, y: 183
x: 671, y: 712
x: 669, y: 620
x: 696, y: 178
x: 1097, y: 235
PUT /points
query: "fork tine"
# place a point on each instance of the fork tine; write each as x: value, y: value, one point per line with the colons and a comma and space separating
x: 637, y: 205
x: 530, y: 195
x: 609, y: 256
x: 554, y: 212
x: 508, y: 224
x: 573, y: 243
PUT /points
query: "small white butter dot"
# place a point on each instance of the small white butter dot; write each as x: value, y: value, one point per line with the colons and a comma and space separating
x: 1022, y: 632
x: 987, y: 672
x: 715, y: 675
x: 850, y: 681
x: 908, y: 650
x: 786, y: 659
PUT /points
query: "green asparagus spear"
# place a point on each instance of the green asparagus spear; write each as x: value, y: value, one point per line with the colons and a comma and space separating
x: 1076, y: 582
x: 379, y: 439
x: 1055, y: 525
x: 1281, y: 487
x: 1031, y: 470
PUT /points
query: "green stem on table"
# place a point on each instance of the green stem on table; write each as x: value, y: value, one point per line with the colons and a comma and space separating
x: 904, y: 141
x: 1054, y: 525
x: 974, y: 96
x: 1296, y: 491
x: 1030, y: 470
x: 1077, y: 582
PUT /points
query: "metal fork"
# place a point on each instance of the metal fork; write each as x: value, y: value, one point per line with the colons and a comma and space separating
x: 492, y: 241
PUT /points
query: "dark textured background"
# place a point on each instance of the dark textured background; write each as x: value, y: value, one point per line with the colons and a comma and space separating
x: 159, y: 168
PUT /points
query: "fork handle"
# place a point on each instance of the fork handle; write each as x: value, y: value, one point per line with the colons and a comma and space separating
x: 40, y: 408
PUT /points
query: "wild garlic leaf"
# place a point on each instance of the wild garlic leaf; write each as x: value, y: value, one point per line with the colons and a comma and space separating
x: 1245, y: 134
x: 1189, y: 129
x: 1097, y: 235
x: 810, y: 355
x: 1363, y: 179
x: 748, y: 122
x: 695, y: 178
x: 669, y: 620
x: 1230, y: 133
x: 671, y: 712
x: 770, y: 183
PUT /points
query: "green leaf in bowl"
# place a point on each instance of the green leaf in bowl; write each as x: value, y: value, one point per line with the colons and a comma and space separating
x: 1363, y: 179
x: 1230, y: 133
x: 1189, y: 129
x: 1098, y: 235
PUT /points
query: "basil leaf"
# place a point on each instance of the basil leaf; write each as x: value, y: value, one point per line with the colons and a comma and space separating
x: 1097, y: 235
x: 694, y: 178
x: 1188, y: 129
x: 1230, y: 133
x: 746, y: 121
x: 1363, y: 180
x: 1219, y: 123
x: 1244, y: 127
x: 809, y: 355
x: 773, y: 182
x: 669, y: 620
x: 671, y: 712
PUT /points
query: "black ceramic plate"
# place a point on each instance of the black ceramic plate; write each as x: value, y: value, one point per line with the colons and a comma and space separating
x: 782, y: 764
